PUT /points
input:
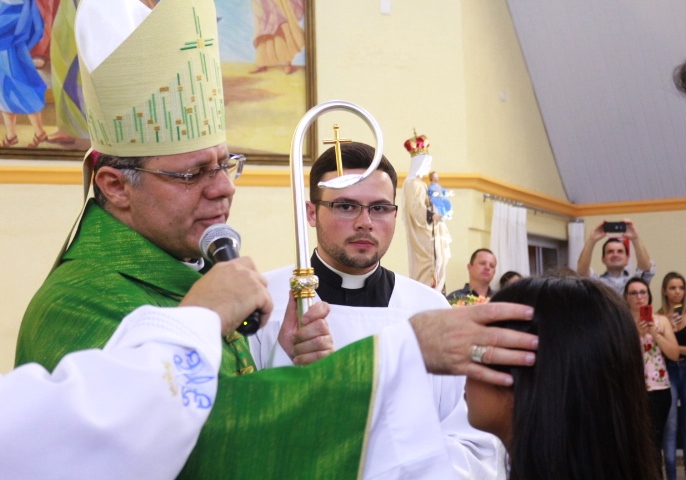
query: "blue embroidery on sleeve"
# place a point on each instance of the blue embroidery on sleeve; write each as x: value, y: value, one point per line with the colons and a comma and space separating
x: 191, y: 378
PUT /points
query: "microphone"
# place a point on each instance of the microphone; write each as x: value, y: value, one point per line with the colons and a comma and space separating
x: 221, y: 243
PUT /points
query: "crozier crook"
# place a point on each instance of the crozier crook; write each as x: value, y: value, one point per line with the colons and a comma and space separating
x: 304, y: 281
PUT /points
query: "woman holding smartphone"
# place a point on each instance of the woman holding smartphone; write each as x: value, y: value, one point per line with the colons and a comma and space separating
x: 658, y: 341
x: 581, y: 412
x: 672, y: 307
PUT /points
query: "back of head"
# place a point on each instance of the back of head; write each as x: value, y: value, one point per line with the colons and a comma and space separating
x: 581, y: 412
x: 508, y: 277
x: 354, y: 155
x: 680, y: 77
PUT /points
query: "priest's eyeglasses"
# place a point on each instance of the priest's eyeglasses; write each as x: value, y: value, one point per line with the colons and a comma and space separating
x: 379, y: 211
x: 232, y: 167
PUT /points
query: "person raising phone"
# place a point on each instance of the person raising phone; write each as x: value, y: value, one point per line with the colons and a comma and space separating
x: 616, y: 255
x: 657, y: 342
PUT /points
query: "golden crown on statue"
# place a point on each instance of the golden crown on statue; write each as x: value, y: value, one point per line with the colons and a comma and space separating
x: 417, y: 144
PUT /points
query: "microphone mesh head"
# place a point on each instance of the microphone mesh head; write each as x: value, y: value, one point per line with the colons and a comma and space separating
x: 213, y: 232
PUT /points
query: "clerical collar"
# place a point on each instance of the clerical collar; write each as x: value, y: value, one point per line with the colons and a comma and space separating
x: 347, y: 280
x: 376, y: 290
x: 196, y: 265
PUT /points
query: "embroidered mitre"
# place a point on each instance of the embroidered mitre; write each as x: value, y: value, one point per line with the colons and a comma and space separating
x: 155, y: 89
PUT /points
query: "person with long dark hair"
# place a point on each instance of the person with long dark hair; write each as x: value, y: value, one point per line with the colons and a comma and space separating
x: 672, y: 298
x: 582, y: 411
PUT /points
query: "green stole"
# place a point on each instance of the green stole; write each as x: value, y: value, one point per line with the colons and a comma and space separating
x: 297, y: 422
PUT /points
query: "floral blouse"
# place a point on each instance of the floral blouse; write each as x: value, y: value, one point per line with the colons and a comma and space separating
x: 655, y: 370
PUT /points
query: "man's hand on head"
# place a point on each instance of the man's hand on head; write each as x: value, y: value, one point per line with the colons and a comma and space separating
x: 446, y: 338
x: 234, y: 290
x: 312, y: 340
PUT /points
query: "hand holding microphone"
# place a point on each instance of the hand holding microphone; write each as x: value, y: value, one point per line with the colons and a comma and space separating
x: 221, y: 243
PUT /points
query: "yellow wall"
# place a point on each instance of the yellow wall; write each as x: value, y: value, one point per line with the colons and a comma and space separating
x: 506, y: 136
x: 439, y: 67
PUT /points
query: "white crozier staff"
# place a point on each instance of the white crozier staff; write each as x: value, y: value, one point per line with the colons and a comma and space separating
x: 304, y: 281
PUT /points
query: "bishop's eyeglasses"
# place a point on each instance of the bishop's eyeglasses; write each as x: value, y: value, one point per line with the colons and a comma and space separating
x: 232, y: 167
x: 348, y: 210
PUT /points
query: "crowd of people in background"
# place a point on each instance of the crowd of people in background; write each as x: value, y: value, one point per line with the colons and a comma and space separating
x: 662, y: 333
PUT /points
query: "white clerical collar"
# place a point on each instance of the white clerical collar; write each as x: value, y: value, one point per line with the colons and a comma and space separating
x: 351, y: 282
x: 196, y: 265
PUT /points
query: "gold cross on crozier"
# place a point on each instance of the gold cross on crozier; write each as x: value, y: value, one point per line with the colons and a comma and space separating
x: 337, y: 147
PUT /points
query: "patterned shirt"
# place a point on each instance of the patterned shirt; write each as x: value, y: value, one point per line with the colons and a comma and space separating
x: 655, y: 370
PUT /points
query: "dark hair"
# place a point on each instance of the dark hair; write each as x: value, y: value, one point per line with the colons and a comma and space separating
x: 355, y: 155
x: 665, y: 301
x: 638, y: 280
x: 133, y: 176
x: 679, y: 76
x: 476, y: 252
x: 612, y: 240
x: 507, y: 276
x: 581, y: 412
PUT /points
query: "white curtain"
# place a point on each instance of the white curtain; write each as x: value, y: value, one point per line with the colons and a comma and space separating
x: 575, y: 233
x: 509, y: 241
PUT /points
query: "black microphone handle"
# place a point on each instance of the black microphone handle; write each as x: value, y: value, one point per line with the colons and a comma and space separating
x: 222, y: 250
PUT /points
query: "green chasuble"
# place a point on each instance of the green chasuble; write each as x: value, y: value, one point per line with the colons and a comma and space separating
x: 286, y: 423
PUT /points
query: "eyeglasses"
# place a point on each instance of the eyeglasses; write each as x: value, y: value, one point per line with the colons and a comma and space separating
x: 636, y: 293
x: 382, y: 211
x: 232, y: 167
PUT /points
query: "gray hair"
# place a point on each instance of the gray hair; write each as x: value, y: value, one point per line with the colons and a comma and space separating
x: 131, y: 176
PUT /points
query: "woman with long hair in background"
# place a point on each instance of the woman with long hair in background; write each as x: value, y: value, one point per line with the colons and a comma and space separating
x: 658, y: 341
x: 672, y: 304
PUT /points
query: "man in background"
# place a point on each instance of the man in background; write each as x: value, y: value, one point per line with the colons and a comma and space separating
x: 481, y: 269
x: 615, y: 257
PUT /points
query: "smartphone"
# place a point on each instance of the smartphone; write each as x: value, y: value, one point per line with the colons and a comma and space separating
x: 679, y: 309
x: 614, y: 227
x: 646, y: 313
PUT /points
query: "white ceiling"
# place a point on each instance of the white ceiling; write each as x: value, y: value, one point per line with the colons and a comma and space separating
x: 602, y: 74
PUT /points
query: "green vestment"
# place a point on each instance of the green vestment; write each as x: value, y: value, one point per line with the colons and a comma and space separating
x: 285, y: 423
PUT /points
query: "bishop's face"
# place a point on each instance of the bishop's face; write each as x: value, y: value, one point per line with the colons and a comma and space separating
x: 354, y: 245
x: 173, y: 215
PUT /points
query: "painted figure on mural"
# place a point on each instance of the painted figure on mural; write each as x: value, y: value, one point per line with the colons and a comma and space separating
x: 40, y: 53
x: 279, y: 37
x: 70, y: 117
x: 22, y: 90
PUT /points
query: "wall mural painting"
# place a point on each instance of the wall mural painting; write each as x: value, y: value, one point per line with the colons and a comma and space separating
x: 267, y: 52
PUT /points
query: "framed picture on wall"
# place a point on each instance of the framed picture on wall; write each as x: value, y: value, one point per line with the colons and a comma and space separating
x: 267, y: 50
